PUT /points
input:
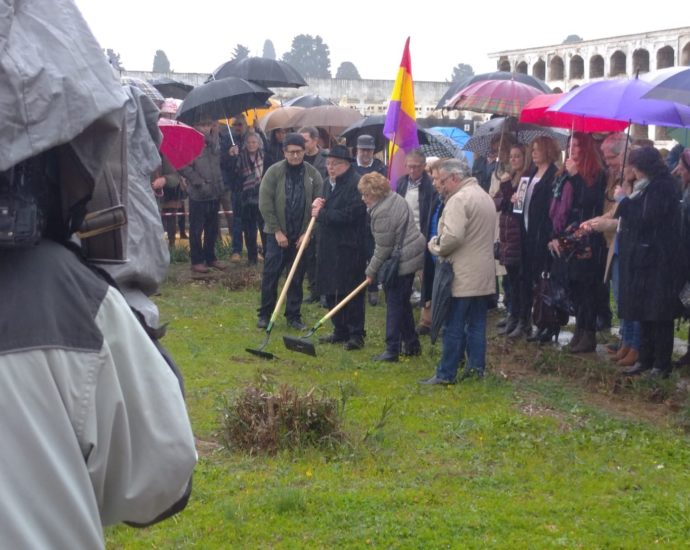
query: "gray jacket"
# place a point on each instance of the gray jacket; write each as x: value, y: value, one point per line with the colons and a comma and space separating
x: 387, y: 221
x: 203, y: 175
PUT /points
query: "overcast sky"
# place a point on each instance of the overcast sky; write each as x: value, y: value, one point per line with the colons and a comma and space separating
x: 199, y: 35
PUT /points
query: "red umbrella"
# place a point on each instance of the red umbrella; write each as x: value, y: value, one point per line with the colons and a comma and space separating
x: 503, y: 97
x: 536, y: 112
x: 181, y: 143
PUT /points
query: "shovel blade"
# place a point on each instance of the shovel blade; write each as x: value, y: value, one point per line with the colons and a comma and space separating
x: 260, y: 353
x: 299, y: 345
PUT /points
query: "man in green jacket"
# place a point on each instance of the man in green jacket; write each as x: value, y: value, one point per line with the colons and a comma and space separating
x: 287, y: 191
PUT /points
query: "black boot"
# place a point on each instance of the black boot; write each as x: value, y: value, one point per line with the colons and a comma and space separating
x: 537, y: 336
x: 509, y: 327
x: 551, y: 333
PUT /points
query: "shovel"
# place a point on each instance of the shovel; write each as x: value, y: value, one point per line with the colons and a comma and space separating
x: 302, y: 344
x: 283, y: 294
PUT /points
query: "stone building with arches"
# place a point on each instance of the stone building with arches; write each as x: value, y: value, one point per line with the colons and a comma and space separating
x: 566, y: 66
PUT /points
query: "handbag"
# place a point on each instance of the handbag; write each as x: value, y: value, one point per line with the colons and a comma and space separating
x: 548, y: 306
x: 388, y: 272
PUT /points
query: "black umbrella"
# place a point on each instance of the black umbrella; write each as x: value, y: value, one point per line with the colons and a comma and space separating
x: 171, y: 88
x: 373, y: 126
x: 308, y: 100
x: 260, y: 70
x: 221, y: 99
x: 441, y: 297
x: 455, y: 87
x: 480, y: 142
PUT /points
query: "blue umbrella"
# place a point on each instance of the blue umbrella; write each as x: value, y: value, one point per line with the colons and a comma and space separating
x: 456, y: 134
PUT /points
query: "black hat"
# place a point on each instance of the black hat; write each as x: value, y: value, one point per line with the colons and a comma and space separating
x: 365, y: 141
x: 338, y: 152
x: 293, y: 138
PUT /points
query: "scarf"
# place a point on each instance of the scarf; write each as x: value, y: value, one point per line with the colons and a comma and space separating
x: 639, y: 186
x: 250, y: 171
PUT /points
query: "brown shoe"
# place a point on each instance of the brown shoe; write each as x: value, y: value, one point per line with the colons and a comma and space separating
x: 630, y: 359
x: 235, y: 258
x: 218, y: 265
x: 620, y: 354
x: 200, y: 268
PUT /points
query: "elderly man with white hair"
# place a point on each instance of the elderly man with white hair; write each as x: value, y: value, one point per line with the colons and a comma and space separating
x: 465, y: 239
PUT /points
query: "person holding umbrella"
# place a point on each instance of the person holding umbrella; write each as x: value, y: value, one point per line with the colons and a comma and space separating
x: 205, y: 189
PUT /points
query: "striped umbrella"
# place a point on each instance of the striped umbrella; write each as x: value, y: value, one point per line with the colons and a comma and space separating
x: 503, y: 97
x: 146, y: 87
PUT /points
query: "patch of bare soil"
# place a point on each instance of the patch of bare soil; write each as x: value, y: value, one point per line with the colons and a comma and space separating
x: 661, y: 402
x: 234, y: 276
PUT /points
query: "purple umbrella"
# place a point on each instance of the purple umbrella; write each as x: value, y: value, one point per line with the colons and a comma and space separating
x: 672, y: 84
x: 621, y: 99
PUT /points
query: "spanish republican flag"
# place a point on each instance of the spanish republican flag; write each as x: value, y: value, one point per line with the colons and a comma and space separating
x: 401, y: 120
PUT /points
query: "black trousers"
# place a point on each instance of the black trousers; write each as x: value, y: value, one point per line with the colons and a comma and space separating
x: 514, y: 291
x: 252, y: 222
x: 277, y: 260
x: 656, y: 344
x: 203, y: 221
x: 585, y: 297
x: 399, y: 318
x: 349, y: 321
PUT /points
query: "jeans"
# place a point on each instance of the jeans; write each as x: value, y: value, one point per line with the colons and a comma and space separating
x: 630, y: 331
x: 276, y: 260
x: 399, y: 317
x: 203, y: 220
x: 465, y: 330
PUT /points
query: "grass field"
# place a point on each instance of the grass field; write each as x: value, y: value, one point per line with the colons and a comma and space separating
x: 548, y: 451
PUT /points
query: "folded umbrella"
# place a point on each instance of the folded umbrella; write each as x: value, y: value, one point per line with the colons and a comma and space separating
x: 503, y: 97
x: 537, y: 112
x: 181, y: 143
x: 441, y: 297
x: 263, y: 71
x: 220, y: 99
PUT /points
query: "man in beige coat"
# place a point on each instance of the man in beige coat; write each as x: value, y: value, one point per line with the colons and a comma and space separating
x: 465, y: 239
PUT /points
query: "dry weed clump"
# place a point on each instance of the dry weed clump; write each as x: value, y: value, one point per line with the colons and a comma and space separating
x: 259, y: 421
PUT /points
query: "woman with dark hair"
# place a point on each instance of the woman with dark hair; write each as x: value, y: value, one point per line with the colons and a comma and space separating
x: 651, y: 272
x: 509, y: 233
x: 579, y: 196
x: 535, y: 228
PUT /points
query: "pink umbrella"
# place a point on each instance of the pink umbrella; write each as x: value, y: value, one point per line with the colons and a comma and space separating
x: 503, y: 97
x: 536, y: 112
x: 181, y: 143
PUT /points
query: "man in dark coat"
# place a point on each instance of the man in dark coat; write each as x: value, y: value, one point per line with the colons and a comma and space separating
x: 341, y: 255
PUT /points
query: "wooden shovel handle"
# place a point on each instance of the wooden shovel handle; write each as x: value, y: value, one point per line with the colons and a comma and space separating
x: 340, y: 305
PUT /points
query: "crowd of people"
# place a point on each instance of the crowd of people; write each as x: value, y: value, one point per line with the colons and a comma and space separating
x: 552, y: 231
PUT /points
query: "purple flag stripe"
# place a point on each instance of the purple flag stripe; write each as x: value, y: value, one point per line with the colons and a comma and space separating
x: 400, y: 127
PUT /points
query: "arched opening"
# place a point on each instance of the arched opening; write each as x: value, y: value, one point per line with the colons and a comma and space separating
x: 596, y: 66
x: 641, y: 61
x: 556, y: 68
x: 577, y: 67
x: 539, y: 69
x: 575, y: 87
x: 617, y: 63
x: 685, y: 55
x: 503, y: 64
x: 557, y: 90
x: 665, y: 57
x: 521, y: 67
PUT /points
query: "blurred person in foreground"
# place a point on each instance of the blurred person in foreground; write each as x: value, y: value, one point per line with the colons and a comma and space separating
x: 392, y: 225
x: 94, y: 422
x: 466, y: 240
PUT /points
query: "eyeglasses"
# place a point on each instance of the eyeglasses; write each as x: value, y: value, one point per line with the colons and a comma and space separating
x: 443, y: 180
x: 295, y: 153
